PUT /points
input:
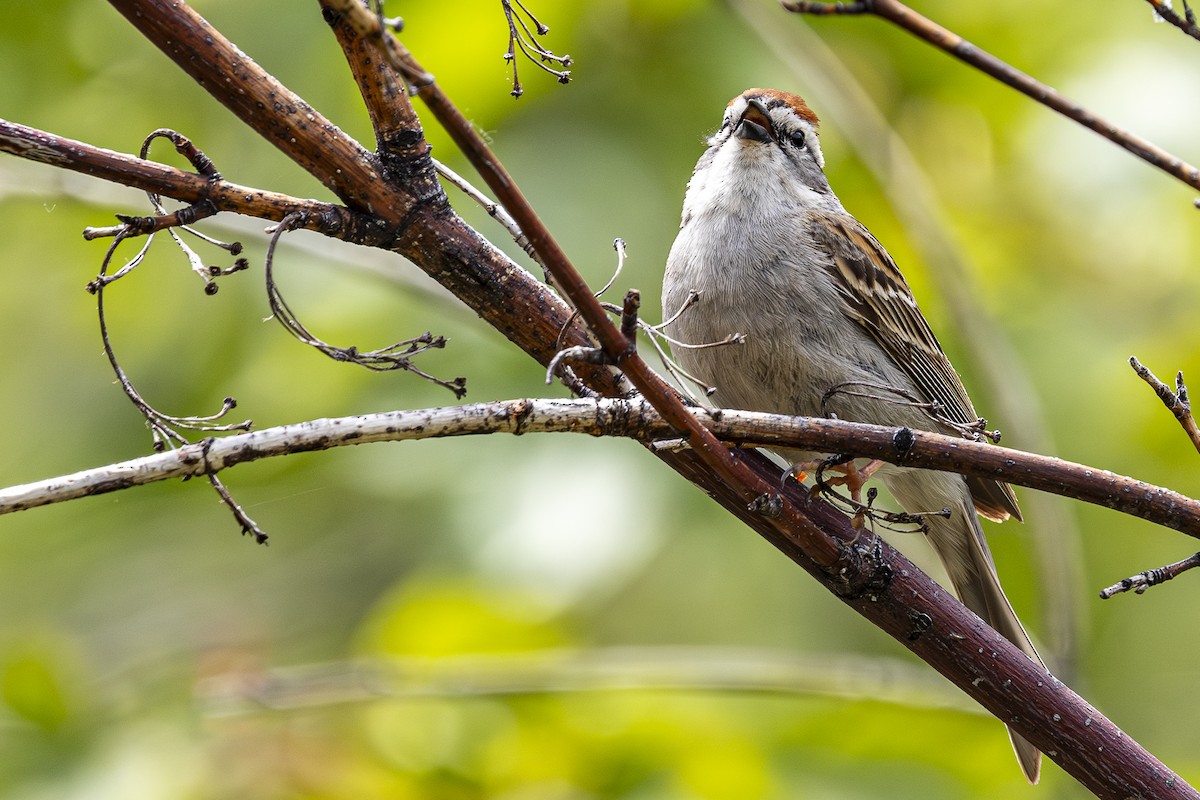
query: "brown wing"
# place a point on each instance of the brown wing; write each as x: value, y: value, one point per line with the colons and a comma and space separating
x: 878, y: 298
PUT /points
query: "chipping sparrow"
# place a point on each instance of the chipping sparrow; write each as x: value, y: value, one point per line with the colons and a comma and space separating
x: 821, y: 303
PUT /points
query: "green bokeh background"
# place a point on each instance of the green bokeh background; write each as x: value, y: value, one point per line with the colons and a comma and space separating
x: 126, y: 619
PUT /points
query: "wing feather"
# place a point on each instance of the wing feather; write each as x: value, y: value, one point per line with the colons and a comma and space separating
x: 877, y: 297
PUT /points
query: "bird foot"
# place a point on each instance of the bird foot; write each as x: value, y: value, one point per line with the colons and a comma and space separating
x: 848, y: 474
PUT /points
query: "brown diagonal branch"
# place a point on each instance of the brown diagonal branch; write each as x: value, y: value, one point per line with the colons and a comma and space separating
x: 264, y: 104
x: 948, y: 41
x: 397, y: 129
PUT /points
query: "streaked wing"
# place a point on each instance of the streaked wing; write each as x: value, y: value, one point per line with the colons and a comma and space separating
x: 878, y: 298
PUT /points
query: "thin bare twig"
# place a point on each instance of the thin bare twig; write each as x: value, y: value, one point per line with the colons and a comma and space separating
x: 950, y: 42
x: 1176, y: 401
x: 1144, y: 580
x: 619, y: 247
x: 520, y: 37
x: 689, y: 301
x: 975, y: 431
x: 681, y: 376
x: 656, y: 337
x: 394, y: 356
x: 163, y: 427
x: 493, y: 209
x: 204, y: 166
x: 1186, y: 23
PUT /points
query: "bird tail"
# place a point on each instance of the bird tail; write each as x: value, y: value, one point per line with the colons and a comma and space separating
x: 960, y: 544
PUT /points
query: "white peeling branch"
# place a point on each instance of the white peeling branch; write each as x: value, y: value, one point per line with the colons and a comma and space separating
x: 216, y: 454
x: 637, y: 420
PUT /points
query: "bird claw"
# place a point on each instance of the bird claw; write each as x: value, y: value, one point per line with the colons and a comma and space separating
x: 850, y: 475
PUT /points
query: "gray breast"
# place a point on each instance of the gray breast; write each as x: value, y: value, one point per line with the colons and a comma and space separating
x: 779, y: 293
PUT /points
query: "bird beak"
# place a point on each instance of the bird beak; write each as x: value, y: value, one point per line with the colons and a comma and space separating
x: 755, y: 124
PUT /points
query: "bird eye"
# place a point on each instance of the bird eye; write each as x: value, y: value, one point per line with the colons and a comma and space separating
x: 797, y: 138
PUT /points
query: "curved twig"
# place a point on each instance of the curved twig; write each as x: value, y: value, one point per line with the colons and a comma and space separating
x: 396, y: 356
x: 163, y: 426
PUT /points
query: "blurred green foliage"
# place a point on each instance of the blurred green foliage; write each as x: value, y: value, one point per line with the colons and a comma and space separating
x: 116, y: 608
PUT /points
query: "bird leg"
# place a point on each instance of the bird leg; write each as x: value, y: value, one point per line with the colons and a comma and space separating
x: 850, y: 475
